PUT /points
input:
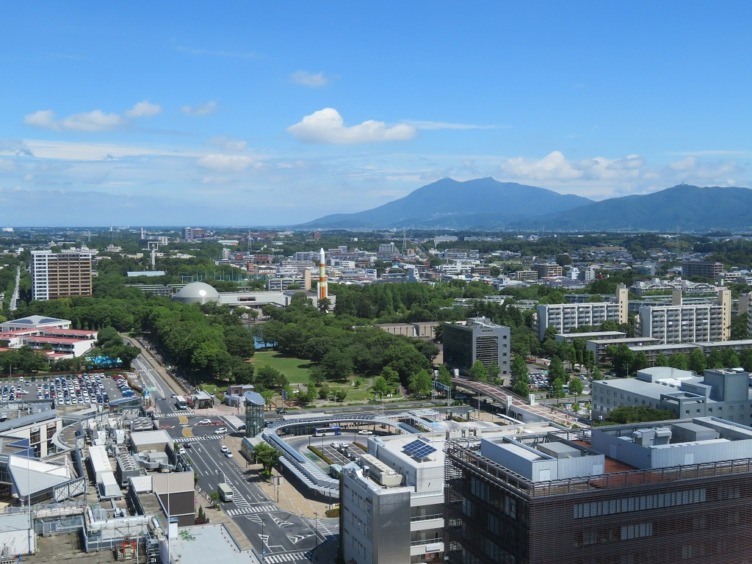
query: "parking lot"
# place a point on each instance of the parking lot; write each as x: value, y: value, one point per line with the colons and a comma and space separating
x: 71, y: 390
x: 340, y: 452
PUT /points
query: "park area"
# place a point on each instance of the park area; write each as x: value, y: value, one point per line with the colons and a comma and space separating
x: 297, y: 371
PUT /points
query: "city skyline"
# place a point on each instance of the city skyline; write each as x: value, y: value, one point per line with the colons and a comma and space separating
x: 275, y: 115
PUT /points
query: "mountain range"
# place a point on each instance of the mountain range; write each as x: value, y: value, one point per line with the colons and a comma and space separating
x: 486, y: 203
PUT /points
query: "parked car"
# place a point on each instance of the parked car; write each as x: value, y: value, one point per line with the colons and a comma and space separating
x: 224, y: 448
x: 205, y: 422
x: 228, y: 454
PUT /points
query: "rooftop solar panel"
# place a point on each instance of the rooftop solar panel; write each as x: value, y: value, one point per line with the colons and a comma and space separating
x: 418, y: 449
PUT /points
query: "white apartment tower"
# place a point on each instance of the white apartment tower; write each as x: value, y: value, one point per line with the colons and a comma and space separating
x: 60, y: 275
x: 683, y: 323
x: 565, y: 318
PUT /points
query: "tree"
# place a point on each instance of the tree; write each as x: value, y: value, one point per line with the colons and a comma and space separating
x: 445, y: 377
x: 576, y: 387
x: 557, y: 388
x: 556, y: 371
x: 380, y: 386
x: 730, y: 358
x: 661, y: 360
x: 267, y: 456
x: 697, y: 361
x: 520, y: 376
x: 478, y: 372
x: 679, y: 361
x: 715, y: 360
x: 420, y: 384
x: 622, y: 359
x: 638, y: 414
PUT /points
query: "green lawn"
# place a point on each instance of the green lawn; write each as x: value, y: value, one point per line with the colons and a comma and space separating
x: 296, y: 369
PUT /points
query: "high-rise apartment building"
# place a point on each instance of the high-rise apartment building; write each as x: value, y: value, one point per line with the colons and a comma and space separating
x: 548, y: 270
x: 565, y: 318
x: 684, y: 323
x: 668, y: 492
x: 60, y: 275
x: 703, y: 269
x: 479, y: 340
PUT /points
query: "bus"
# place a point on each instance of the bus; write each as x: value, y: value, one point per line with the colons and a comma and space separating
x: 180, y: 402
x: 225, y: 492
x: 334, y: 430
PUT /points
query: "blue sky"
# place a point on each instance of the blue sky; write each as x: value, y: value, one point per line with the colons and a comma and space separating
x: 263, y: 113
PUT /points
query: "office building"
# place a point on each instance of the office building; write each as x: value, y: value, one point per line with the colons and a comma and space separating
x: 719, y: 393
x: 669, y: 492
x: 61, y: 275
x: 392, y: 502
x: 566, y: 318
x: 477, y: 340
x: 688, y: 323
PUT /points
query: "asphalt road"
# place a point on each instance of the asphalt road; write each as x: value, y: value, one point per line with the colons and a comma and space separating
x: 286, y: 537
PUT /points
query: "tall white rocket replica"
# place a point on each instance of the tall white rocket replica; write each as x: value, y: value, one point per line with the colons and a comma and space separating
x: 323, y: 289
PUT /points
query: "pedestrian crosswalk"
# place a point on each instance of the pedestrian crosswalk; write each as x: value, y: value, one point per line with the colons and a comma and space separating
x: 194, y: 439
x: 244, y: 508
x: 174, y: 414
x: 286, y: 557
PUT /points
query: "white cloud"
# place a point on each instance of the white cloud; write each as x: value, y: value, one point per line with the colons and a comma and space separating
x: 200, y: 110
x: 144, y: 109
x: 72, y: 151
x: 229, y: 163
x: 553, y: 166
x: 449, y: 125
x: 228, y: 144
x: 327, y: 126
x: 41, y: 118
x: 310, y: 79
x: 96, y: 120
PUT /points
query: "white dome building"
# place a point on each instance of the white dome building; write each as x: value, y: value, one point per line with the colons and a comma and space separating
x: 197, y: 293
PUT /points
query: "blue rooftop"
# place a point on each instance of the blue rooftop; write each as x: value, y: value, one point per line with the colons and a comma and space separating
x: 254, y: 398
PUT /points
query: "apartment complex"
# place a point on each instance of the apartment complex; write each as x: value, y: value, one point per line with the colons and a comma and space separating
x: 61, y: 275
x: 670, y: 492
x: 703, y: 269
x: 392, y: 502
x: 548, y: 270
x: 566, y: 318
x: 685, y: 323
x: 478, y: 340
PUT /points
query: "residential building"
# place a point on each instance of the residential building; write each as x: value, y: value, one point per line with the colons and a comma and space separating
x: 599, y: 347
x: 565, y: 318
x: 590, y: 336
x: 530, y: 275
x: 704, y: 269
x: 477, y: 340
x: 719, y: 393
x: 685, y: 323
x: 669, y: 492
x: 61, y: 275
x: 547, y: 270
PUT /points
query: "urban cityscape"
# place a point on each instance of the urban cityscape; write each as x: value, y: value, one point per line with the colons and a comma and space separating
x: 393, y: 283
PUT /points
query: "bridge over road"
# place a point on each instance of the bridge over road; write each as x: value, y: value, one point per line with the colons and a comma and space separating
x: 503, y: 396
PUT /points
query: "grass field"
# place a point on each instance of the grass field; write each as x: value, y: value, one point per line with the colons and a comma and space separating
x: 296, y: 369
x: 297, y: 372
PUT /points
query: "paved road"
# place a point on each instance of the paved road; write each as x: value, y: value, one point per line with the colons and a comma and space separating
x: 285, y: 536
x: 14, y: 297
